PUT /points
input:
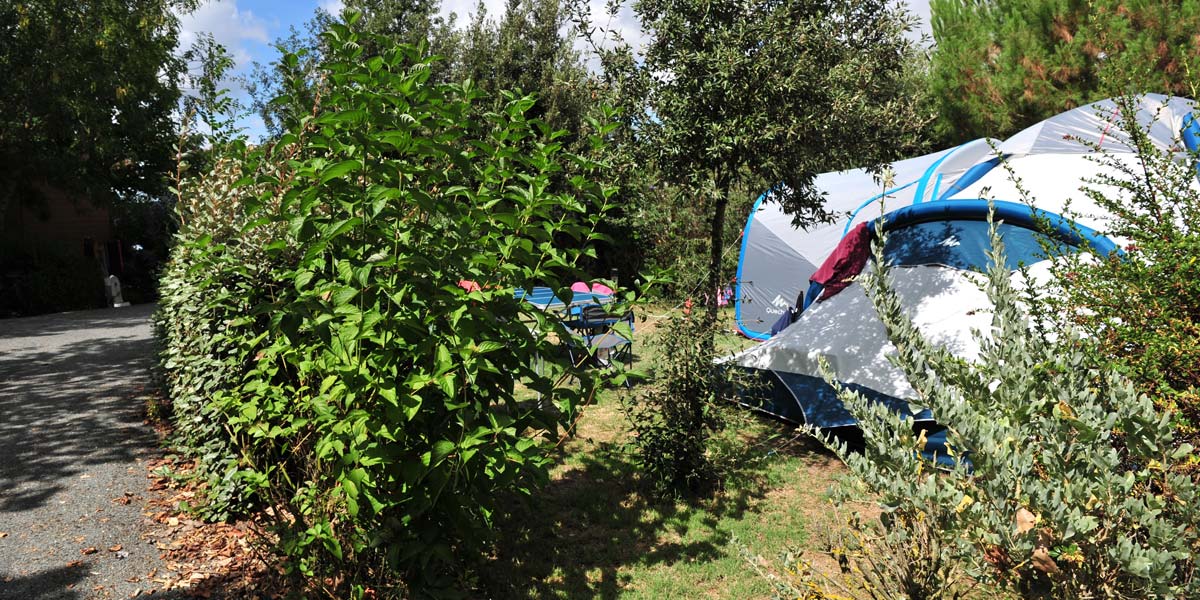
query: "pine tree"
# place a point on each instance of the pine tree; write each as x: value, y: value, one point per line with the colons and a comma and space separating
x: 1002, y: 65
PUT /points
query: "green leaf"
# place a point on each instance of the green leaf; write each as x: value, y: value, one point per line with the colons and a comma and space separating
x: 340, y: 169
x: 350, y: 490
x: 302, y: 279
x: 449, y: 384
x: 343, y: 296
x: 441, y: 449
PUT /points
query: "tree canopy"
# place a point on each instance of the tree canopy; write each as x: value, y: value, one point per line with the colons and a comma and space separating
x: 767, y: 94
x: 524, y: 49
x: 89, y: 94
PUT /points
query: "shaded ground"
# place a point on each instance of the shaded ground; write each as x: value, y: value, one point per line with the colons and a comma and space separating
x: 593, y: 532
x: 72, y: 452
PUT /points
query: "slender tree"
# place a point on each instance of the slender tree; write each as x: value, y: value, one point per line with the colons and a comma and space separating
x: 524, y: 50
x: 527, y: 51
x: 291, y: 77
x: 765, y: 93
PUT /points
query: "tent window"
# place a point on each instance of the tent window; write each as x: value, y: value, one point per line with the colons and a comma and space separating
x: 961, y: 244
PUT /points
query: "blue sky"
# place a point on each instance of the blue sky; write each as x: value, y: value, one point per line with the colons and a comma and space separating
x: 247, y: 27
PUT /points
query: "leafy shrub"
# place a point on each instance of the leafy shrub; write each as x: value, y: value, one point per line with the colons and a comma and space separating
x: 1050, y: 504
x: 880, y: 559
x: 675, y: 420
x: 216, y: 274
x: 1143, y: 309
x: 374, y: 405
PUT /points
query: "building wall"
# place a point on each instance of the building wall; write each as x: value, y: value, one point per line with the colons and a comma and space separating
x: 54, y: 255
x: 58, y: 219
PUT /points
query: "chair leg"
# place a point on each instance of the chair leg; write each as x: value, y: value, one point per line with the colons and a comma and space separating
x: 628, y: 363
x: 538, y: 365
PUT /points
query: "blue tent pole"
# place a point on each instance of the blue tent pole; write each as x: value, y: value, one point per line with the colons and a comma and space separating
x: 737, y: 284
x: 1191, y: 138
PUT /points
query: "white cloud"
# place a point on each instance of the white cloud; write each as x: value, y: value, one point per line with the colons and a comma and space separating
x: 466, y: 9
x: 333, y: 7
x: 229, y: 25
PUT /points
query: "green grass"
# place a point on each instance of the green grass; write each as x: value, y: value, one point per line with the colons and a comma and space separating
x: 594, y: 532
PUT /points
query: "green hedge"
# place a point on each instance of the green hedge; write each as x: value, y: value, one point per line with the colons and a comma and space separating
x: 320, y: 357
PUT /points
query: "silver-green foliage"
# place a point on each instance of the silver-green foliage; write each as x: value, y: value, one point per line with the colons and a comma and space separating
x: 1068, y: 490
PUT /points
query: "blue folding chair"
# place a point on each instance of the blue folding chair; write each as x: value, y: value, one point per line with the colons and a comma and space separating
x: 597, y: 340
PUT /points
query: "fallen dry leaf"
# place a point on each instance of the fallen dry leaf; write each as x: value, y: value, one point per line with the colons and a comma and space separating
x: 998, y: 557
x: 88, y: 550
x: 116, y: 548
x: 1025, y: 521
x: 197, y: 554
x: 1042, y: 561
x: 74, y: 563
x: 3, y: 534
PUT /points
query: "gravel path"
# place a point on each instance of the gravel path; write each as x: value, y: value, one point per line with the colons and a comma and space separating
x: 72, y: 453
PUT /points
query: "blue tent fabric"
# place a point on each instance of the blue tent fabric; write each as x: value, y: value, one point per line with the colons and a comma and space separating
x: 1191, y: 136
x: 971, y: 176
x: 962, y: 244
x: 1013, y: 213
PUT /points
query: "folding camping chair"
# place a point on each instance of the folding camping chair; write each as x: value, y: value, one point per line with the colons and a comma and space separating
x: 597, y: 341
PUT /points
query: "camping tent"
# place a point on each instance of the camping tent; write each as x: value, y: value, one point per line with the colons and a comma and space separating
x: 936, y: 217
x: 777, y: 258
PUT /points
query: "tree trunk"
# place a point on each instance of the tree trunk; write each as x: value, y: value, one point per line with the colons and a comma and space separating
x: 717, y: 245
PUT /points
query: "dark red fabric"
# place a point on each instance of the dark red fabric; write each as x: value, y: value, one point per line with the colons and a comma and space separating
x: 846, y: 261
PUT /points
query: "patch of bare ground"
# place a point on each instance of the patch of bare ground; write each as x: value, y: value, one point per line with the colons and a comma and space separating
x: 203, y: 560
